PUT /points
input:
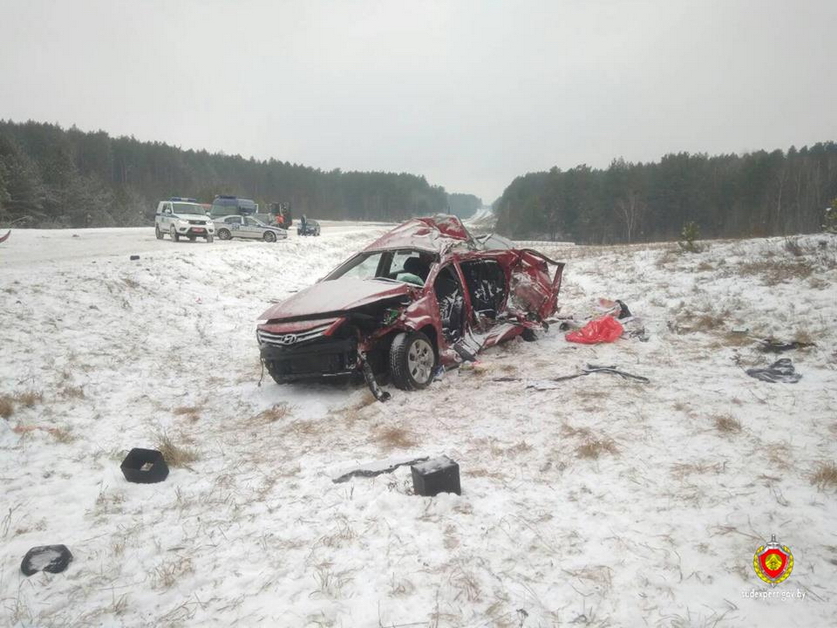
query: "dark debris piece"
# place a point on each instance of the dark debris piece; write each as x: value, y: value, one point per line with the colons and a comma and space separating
x: 51, y: 558
x: 771, y: 345
x: 780, y: 372
x: 375, y: 469
x: 591, y: 368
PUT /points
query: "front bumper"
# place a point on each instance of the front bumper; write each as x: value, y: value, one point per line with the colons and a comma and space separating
x: 311, y: 355
x: 200, y: 231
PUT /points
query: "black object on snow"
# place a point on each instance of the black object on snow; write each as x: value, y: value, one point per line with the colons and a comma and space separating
x: 780, y: 372
x: 145, y: 466
x: 374, y: 469
x: 591, y: 368
x: 624, y: 312
x: 379, y: 393
x: 51, y: 558
x: 440, y: 475
x: 771, y: 345
x: 134, y: 258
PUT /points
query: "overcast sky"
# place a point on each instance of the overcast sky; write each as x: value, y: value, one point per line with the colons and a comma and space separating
x: 468, y: 93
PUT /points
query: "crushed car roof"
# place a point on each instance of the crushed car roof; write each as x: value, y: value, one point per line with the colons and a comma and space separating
x: 438, y: 234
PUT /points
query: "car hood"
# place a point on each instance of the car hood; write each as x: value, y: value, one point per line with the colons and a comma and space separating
x: 192, y: 217
x: 337, y: 295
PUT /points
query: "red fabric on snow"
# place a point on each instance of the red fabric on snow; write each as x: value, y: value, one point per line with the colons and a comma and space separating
x: 604, y: 329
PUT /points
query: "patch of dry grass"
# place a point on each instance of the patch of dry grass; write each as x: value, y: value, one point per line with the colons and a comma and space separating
x: 175, y: 455
x: 395, y: 437
x: 192, y: 413
x: 354, y: 412
x: 7, y: 406
x: 773, y: 272
x: 726, y: 424
x: 169, y: 572
x: 62, y: 434
x: 278, y: 412
x: 594, y: 448
x: 825, y: 476
x: 682, y: 470
x: 29, y: 398
x: 72, y: 392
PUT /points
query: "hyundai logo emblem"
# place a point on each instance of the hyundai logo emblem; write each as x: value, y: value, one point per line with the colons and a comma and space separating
x: 288, y: 339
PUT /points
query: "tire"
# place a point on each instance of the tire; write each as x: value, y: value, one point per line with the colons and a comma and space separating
x: 157, y: 232
x: 209, y: 239
x: 269, y: 236
x: 412, y: 361
x: 224, y: 234
x: 273, y: 370
x: 174, y: 235
x: 317, y: 232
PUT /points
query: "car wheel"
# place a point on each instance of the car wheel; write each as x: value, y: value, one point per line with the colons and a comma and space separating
x: 224, y: 234
x: 411, y: 361
x: 269, y: 236
x: 317, y: 232
x: 174, y: 235
x: 157, y: 232
x: 209, y: 239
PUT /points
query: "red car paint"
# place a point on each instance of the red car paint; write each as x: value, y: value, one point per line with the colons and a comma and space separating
x: 368, y: 313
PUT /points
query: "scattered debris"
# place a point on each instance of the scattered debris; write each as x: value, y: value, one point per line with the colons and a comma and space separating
x: 617, y: 308
x: 371, y: 469
x: 440, y: 475
x: 604, y: 329
x: 781, y: 371
x: 589, y: 370
x: 134, y: 258
x: 144, y: 466
x: 51, y: 558
x: 771, y: 345
x: 379, y: 393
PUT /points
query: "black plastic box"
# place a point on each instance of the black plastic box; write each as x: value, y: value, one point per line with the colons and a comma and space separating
x: 440, y: 475
x: 145, y: 466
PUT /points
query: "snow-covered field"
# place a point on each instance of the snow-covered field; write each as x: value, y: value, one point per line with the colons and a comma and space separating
x: 597, y: 502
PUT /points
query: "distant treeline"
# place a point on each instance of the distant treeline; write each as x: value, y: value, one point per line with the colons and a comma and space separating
x: 463, y: 205
x: 755, y: 194
x: 50, y: 176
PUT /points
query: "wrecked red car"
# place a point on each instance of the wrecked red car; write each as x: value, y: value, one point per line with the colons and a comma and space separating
x: 424, y: 295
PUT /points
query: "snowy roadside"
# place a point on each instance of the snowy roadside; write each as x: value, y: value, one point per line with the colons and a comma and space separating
x: 599, y: 502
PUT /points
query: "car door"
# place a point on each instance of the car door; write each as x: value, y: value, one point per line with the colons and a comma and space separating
x: 234, y: 224
x: 166, y: 219
x: 252, y: 229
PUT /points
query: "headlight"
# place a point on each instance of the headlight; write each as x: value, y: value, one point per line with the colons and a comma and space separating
x: 261, y: 321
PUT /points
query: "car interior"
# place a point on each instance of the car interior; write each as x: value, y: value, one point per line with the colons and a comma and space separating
x: 486, y: 283
x: 451, y: 301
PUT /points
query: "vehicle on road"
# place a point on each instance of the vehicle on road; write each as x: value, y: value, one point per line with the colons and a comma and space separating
x: 248, y: 227
x: 425, y: 294
x: 308, y: 227
x: 182, y: 218
x: 228, y: 205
